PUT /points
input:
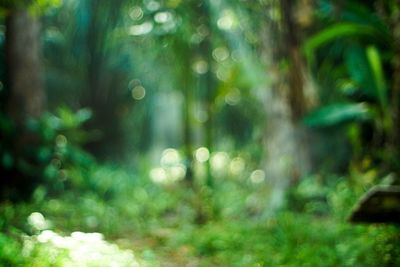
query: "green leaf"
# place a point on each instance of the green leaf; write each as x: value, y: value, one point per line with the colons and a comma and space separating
x: 334, y: 32
x: 359, y: 70
x: 376, y: 67
x: 336, y: 114
x: 378, y: 76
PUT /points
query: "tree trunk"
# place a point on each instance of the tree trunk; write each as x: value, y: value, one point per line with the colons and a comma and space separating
x: 390, y: 13
x: 26, y: 100
x: 395, y: 29
x: 288, y: 99
x: 27, y: 97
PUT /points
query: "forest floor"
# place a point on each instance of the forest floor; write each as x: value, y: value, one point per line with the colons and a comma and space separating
x: 158, y: 225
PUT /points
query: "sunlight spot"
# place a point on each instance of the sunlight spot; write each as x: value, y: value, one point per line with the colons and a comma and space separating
x: 153, y: 5
x: 178, y: 172
x: 141, y: 29
x: 233, y: 97
x: 90, y: 237
x: 219, y: 161
x: 136, y: 13
x: 202, y: 154
x: 220, y: 54
x: 37, y: 221
x: 257, y: 176
x: 237, y: 165
x: 46, y: 236
x: 78, y: 249
x: 138, y: 92
x: 61, y: 242
x: 158, y: 175
x: 227, y: 21
x: 200, y: 66
x: 163, y: 17
x: 170, y: 157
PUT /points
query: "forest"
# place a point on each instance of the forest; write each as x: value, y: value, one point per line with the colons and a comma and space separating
x: 199, y: 133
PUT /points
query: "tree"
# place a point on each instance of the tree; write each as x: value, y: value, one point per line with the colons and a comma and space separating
x: 24, y: 68
x: 289, y: 98
x: 26, y: 97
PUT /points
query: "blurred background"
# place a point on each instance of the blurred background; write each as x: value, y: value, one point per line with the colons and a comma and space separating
x: 199, y: 133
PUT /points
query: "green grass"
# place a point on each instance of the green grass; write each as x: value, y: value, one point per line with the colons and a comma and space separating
x: 159, y: 224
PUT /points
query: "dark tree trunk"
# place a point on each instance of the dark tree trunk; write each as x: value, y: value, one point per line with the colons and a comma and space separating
x: 389, y: 12
x: 27, y: 97
x: 26, y: 100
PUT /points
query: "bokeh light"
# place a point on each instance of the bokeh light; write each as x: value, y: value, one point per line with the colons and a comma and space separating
x: 141, y: 29
x: 202, y: 154
x: 237, y: 165
x: 200, y: 66
x: 170, y: 157
x: 138, y: 92
x: 136, y: 13
x: 257, y: 176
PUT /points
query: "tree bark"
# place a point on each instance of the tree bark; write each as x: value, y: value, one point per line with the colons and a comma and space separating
x: 288, y: 99
x: 27, y: 96
x: 26, y: 100
x: 395, y: 29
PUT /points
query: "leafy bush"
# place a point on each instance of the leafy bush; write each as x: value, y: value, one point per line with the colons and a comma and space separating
x: 10, y: 251
x: 159, y: 222
x: 54, y: 148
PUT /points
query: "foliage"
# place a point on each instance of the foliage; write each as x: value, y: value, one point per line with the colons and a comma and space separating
x: 191, y: 75
x: 47, y: 248
x: 36, y: 6
x: 10, y: 251
x: 159, y: 225
x: 351, y: 60
x: 336, y: 114
x: 57, y: 148
x: 62, y: 137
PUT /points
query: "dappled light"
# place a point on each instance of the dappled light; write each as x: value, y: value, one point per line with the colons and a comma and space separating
x: 199, y: 133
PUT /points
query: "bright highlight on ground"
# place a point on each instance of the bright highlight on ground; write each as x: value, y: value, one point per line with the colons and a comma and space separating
x: 76, y: 250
